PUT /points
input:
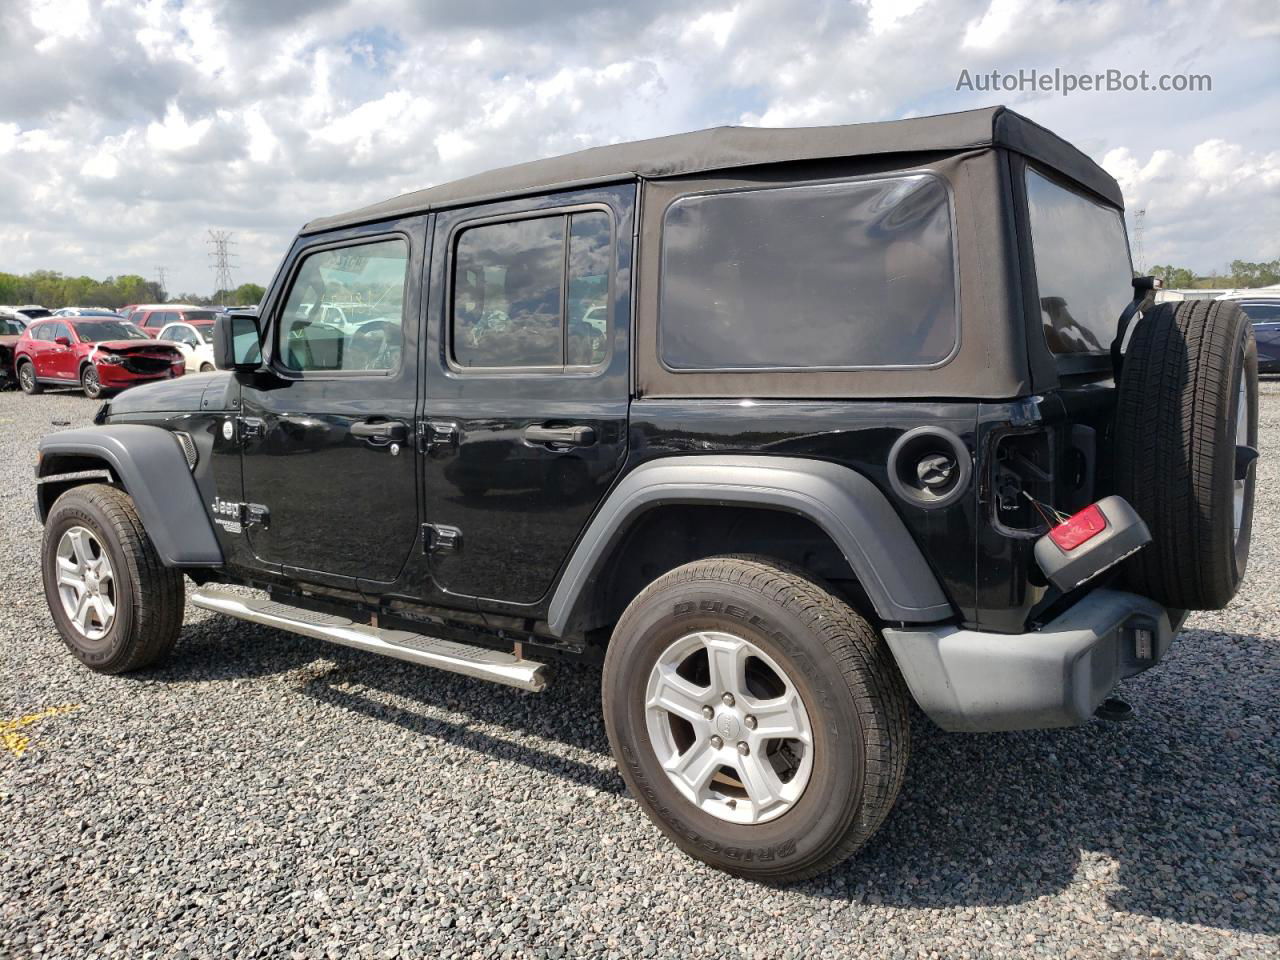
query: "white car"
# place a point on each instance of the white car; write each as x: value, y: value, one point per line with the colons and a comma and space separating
x: 196, y: 344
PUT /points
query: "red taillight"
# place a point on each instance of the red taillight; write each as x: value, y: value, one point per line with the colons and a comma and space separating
x: 1079, y: 528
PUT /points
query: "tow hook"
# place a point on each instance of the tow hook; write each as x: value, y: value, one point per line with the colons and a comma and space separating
x: 1114, y: 710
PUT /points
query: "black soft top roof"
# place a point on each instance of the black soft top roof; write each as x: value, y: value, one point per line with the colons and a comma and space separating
x: 726, y: 148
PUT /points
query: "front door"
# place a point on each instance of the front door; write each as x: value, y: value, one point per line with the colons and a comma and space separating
x: 326, y: 427
x: 527, y: 384
x: 59, y: 360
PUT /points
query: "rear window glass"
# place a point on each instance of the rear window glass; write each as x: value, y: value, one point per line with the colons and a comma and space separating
x: 1082, y: 264
x: 199, y: 316
x: 838, y: 275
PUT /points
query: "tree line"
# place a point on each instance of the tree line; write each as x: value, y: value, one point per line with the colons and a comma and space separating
x: 1241, y: 273
x: 52, y: 289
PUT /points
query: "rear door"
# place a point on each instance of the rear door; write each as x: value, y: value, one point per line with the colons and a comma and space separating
x: 527, y: 386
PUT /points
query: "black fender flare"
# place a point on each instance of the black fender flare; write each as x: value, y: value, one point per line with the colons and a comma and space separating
x: 148, y: 462
x: 842, y: 502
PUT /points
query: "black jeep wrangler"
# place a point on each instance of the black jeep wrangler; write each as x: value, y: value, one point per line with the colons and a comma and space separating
x: 790, y: 428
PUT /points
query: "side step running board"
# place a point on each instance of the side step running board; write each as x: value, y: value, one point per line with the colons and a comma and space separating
x: 479, y: 662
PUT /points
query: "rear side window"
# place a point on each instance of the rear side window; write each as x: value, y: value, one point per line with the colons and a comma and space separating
x: 42, y: 331
x: 1082, y: 264
x: 832, y: 276
x: 533, y: 292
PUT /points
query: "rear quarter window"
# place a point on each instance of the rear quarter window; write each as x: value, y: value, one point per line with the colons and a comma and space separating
x: 828, y: 276
x: 1082, y: 266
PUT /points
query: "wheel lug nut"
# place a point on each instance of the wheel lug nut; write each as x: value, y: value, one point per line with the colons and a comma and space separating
x: 708, y: 712
x: 750, y: 722
x: 716, y: 742
x: 743, y: 749
x: 728, y: 699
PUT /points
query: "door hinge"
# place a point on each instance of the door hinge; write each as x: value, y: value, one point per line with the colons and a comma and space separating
x: 437, y: 437
x: 251, y: 428
x: 440, y: 538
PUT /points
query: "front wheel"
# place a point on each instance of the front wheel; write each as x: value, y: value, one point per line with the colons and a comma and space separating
x: 117, y: 607
x: 90, y: 382
x: 758, y: 720
x: 206, y: 368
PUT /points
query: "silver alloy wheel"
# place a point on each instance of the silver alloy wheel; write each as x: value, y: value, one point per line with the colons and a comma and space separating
x: 729, y: 727
x: 89, y: 380
x: 86, y: 584
x: 1240, y: 438
x: 27, y: 376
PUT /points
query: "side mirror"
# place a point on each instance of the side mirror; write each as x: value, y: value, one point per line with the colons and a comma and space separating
x: 237, y: 342
x: 62, y: 341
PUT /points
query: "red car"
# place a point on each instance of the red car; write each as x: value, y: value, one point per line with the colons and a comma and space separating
x: 98, y: 354
x: 154, y: 319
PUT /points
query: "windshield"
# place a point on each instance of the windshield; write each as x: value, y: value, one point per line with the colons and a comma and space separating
x: 95, y: 331
x: 205, y: 330
x: 1262, y: 312
x: 199, y: 316
x: 35, y: 313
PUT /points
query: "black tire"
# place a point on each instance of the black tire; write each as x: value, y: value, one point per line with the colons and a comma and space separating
x: 90, y: 382
x: 832, y: 657
x: 27, y: 378
x: 1175, y: 450
x: 148, y: 596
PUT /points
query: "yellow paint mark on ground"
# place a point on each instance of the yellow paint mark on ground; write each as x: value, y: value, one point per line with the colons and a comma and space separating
x: 17, y: 743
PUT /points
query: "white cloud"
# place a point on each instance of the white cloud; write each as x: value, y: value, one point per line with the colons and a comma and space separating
x: 129, y: 128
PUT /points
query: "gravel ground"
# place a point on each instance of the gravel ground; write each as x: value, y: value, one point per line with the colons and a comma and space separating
x: 267, y: 795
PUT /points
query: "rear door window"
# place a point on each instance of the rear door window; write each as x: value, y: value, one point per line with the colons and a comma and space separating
x: 829, y: 276
x: 533, y: 293
x: 1082, y: 266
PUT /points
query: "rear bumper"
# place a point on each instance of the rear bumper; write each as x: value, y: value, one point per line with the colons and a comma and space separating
x: 969, y: 680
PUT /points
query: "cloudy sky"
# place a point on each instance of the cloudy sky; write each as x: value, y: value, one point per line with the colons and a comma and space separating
x: 128, y: 129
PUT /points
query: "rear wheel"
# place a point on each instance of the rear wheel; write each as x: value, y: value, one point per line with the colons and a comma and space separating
x: 117, y: 607
x: 27, y: 378
x: 206, y: 368
x: 1186, y: 446
x: 757, y: 719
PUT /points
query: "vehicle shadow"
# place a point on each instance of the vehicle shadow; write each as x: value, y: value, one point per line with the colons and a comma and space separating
x: 1174, y: 814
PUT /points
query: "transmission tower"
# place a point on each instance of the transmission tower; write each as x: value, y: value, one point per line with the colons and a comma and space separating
x: 221, y: 258
x: 160, y: 278
x: 1139, y: 255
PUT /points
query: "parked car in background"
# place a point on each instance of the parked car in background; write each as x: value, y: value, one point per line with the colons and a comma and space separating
x: 156, y: 319
x: 97, y: 353
x: 26, y: 314
x: 130, y: 309
x: 195, y: 342
x: 11, y: 328
x: 87, y: 312
x: 1264, y: 314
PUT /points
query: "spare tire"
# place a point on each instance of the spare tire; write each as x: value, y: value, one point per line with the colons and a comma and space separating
x: 1186, y: 438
